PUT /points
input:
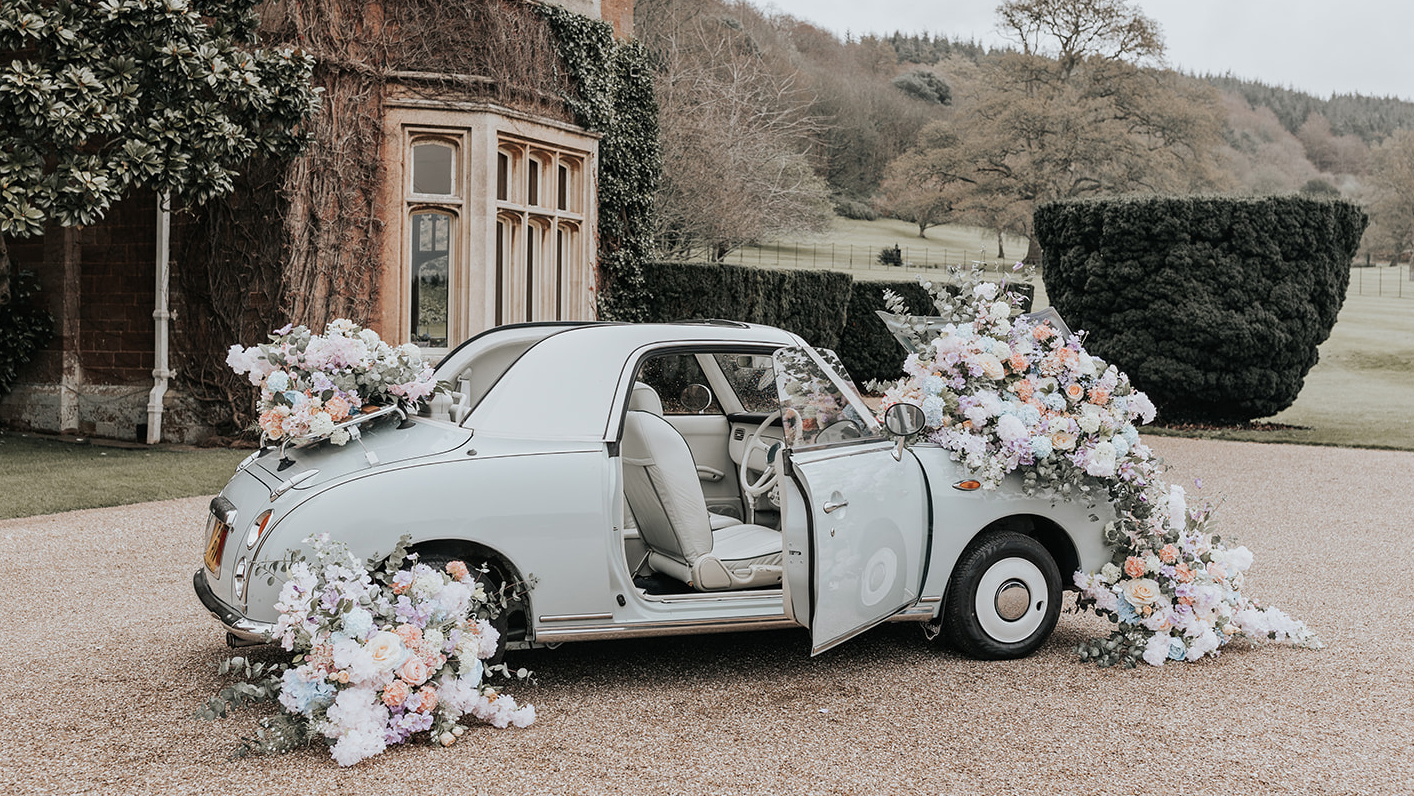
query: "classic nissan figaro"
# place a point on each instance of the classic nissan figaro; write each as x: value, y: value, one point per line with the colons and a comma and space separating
x: 655, y: 479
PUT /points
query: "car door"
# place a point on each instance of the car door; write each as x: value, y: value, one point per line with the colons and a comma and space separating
x: 856, y: 519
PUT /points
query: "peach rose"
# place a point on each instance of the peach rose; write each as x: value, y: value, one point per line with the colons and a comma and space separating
x: 395, y: 693
x: 271, y: 423
x: 991, y: 367
x: 429, y: 699
x: 1168, y: 554
x: 1134, y: 567
x: 1141, y: 591
x: 414, y: 671
x: 1074, y: 391
x: 1063, y: 440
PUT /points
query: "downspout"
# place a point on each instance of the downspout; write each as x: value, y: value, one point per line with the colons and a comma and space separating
x: 160, y: 317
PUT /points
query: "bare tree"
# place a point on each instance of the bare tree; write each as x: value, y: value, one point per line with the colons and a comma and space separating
x: 736, y: 135
x: 1391, y: 182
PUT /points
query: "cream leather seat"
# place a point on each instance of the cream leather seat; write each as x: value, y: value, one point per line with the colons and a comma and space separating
x: 645, y: 399
x: 665, y: 496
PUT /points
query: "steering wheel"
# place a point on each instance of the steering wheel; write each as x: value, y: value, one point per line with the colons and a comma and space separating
x: 767, y: 479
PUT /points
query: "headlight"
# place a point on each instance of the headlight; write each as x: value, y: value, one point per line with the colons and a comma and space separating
x: 257, y: 528
x: 239, y: 578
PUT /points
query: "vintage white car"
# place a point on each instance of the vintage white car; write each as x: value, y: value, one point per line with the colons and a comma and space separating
x: 655, y: 479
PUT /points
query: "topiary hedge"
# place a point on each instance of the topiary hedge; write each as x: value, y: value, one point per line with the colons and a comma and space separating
x: 1214, y: 306
x: 810, y: 303
x: 867, y: 348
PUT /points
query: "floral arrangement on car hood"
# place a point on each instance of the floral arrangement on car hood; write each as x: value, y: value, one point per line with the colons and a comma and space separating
x: 1005, y: 392
x: 310, y: 383
x: 382, y: 656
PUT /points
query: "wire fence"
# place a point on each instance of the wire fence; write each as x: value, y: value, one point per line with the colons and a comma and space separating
x: 1390, y: 281
x: 856, y: 259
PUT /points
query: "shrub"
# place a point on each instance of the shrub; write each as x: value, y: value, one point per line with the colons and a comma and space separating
x: 867, y: 348
x: 855, y: 209
x: 1214, y: 306
x: 925, y: 85
x: 24, y: 327
x: 891, y: 255
x: 810, y: 303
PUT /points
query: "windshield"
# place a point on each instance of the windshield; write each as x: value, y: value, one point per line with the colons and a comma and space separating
x: 818, y: 407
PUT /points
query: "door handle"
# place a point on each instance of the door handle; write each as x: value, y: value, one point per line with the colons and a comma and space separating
x: 832, y: 505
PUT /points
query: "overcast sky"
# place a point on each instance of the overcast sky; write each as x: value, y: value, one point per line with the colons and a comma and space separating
x: 1318, y: 46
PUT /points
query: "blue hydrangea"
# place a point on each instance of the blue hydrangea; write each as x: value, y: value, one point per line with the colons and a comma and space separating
x: 1121, y: 445
x: 1028, y: 414
x: 934, y: 410
x: 1130, y: 434
x: 1054, y: 401
x: 303, y: 696
x: 279, y: 381
x: 1126, y: 611
x: 1041, y: 447
x: 932, y: 385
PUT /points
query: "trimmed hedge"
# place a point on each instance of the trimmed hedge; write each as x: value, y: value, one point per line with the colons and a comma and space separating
x: 1214, y: 306
x: 810, y: 303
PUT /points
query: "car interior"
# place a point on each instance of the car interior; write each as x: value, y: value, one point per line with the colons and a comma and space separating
x: 701, y: 435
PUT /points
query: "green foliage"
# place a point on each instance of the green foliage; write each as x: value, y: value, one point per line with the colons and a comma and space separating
x: 1214, y: 306
x: 867, y: 348
x: 924, y: 85
x: 891, y: 255
x: 615, y: 97
x: 810, y: 303
x: 1370, y: 118
x: 24, y: 328
x: 99, y: 98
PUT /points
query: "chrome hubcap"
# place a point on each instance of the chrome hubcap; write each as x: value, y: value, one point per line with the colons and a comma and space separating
x: 1013, y: 600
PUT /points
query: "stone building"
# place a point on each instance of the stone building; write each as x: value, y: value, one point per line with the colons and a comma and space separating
x: 449, y: 189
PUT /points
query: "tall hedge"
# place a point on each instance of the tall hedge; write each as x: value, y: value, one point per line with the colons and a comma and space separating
x: 1214, y: 306
x: 810, y: 303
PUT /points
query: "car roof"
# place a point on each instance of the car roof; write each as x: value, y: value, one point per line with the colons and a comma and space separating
x: 566, y: 386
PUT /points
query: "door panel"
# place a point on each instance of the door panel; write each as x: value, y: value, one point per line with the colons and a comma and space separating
x: 867, y: 529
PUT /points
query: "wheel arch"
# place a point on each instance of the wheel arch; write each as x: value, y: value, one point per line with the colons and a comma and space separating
x: 518, y: 611
x: 1044, y: 530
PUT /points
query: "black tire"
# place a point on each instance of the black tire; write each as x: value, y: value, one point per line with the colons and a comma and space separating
x: 1002, y: 568
x: 493, y: 580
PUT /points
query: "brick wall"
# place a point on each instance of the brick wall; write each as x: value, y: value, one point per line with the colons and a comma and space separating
x: 116, y: 283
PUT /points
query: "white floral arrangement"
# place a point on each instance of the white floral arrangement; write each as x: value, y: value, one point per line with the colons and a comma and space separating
x: 310, y: 383
x: 382, y: 656
x: 1005, y: 392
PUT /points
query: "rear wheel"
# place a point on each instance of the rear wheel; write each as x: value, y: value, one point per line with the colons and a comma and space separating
x: 1003, y: 599
x: 493, y: 580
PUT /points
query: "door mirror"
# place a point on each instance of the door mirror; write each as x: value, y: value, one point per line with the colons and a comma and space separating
x: 904, y: 420
x: 695, y: 398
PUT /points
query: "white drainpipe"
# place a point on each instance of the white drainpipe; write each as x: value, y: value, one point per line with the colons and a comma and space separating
x: 160, y: 316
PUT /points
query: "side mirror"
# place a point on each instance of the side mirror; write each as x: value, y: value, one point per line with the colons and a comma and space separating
x: 695, y: 398
x: 903, y: 421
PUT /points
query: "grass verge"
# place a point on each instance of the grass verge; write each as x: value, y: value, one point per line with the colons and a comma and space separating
x: 42, y: 476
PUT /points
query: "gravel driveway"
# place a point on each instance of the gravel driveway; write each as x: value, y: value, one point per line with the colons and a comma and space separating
x: 105, y: 653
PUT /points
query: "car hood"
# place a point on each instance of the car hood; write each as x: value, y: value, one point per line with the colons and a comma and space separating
x: 382, y: 443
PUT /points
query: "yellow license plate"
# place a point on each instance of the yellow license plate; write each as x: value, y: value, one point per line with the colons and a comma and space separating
x: 216, y: 544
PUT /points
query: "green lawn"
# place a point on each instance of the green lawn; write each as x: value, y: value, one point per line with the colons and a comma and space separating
x: 43, y: 476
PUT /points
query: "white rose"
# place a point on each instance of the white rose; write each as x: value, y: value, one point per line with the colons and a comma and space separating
x: 991, y: 366
x: 386, y: 650
x: 1087, y: 365
x: 1141, y: 591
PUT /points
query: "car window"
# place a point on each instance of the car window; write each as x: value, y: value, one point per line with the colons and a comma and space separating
x: 670, y: 375
x: 753, y: 379
x: 814, y: 409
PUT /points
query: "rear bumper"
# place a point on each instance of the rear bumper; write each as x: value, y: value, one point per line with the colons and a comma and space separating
x: 243, y: 629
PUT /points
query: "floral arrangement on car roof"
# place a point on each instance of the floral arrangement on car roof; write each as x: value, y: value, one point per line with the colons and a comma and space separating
x: 383, y: 655
x: 1004, y: 392
x: 311, y: 383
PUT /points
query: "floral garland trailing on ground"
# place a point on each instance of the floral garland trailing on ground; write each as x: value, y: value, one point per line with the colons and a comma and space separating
x: 383, y: 655
x: 310, y: 383
x: 1004, y: 392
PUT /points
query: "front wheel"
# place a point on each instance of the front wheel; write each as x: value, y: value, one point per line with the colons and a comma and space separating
x: 1003, y: 599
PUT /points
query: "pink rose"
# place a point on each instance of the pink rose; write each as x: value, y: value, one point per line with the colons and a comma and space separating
x: 414, y: 671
